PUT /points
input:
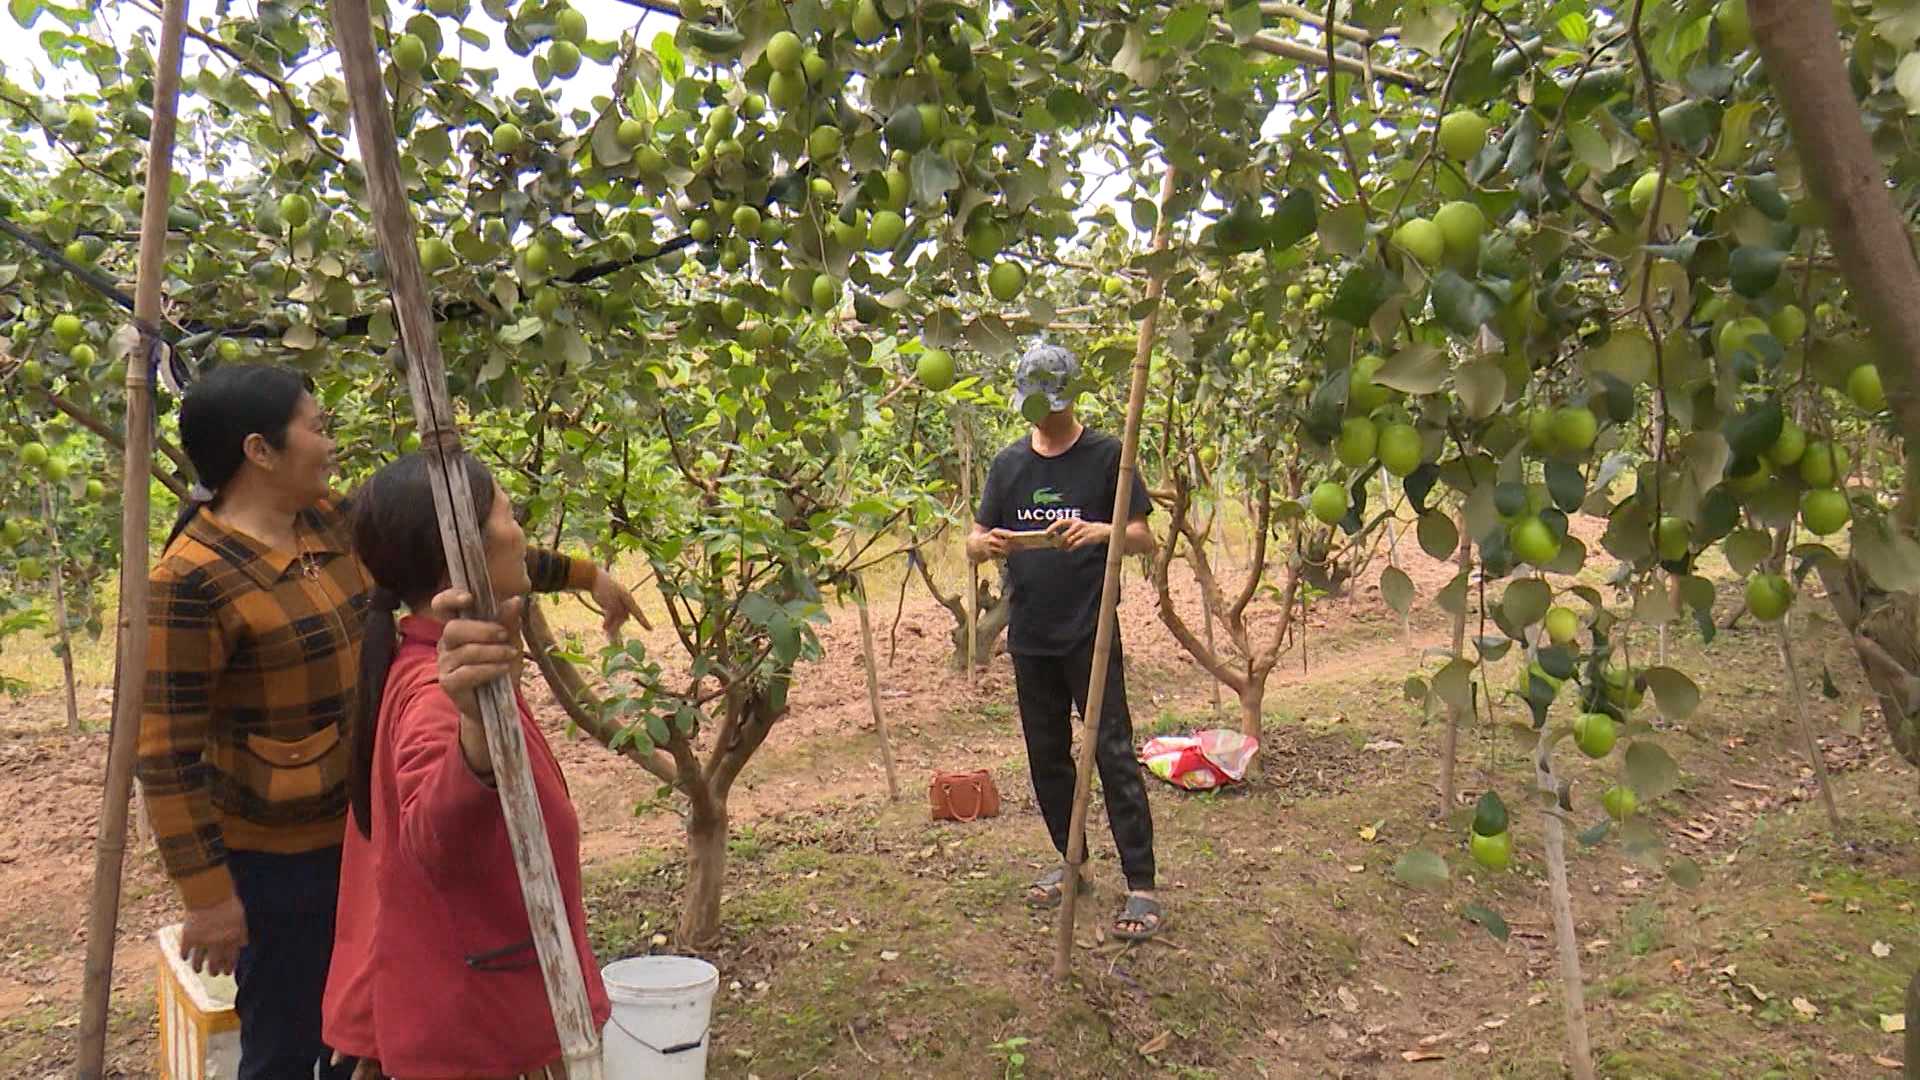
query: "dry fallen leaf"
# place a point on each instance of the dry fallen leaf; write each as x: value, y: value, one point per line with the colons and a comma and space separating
x: 1882, y: 950
x: 1885, y: 1062
x: 1805, y: 1008
x: 1819, y: 898
x: 1482, y: 1048
x: 1348, y: 999
x: 1156, y: 1044
x: 889, y: 955
x: 1356, y: 869
x: 1411, y: 938
x: 1368, y: 832
x: 1421, y: 1055
x: 1430, y: 1040
x: 1893, y: 1023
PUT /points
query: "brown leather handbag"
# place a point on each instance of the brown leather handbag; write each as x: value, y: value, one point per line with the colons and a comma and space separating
x: 963, y: 796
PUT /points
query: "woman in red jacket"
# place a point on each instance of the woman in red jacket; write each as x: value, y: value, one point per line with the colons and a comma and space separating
x: 434, y: 972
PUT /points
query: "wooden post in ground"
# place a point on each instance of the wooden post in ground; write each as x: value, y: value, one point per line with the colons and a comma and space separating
x: 1450, y: 742
x: 1560, y: 898
x: 460, y: 533
x: 1814, y: 753
x: 60, y: 631
x: 872, y: 665
x: 1110, y: 593
x: 129, y: 689
x: 971, y: 654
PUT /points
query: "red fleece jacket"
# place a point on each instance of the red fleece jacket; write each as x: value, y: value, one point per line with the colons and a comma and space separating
x: 434, y: 972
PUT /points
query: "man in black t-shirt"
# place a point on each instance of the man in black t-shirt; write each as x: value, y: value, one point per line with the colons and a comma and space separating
x: 1059, y: 481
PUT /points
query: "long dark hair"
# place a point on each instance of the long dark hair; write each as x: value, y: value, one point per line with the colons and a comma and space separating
x: 396, y: 534
x: 221, y: 410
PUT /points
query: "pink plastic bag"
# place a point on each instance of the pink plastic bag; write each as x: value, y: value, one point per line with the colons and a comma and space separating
x: 1211, y: 759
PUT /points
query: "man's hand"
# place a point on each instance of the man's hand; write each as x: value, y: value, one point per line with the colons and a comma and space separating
x: 991, y: 544
x: 616, y: 605
x: 474, y: 652
x: 1072, y: 534
x: 212, y: 937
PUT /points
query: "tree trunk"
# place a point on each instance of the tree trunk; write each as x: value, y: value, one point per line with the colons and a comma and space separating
x: 706, y: 872
x: 1251, y: 700
x: 1800, y: 43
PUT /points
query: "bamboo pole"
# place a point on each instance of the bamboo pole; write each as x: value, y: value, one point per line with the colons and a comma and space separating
x: 129, y: 689
x: 869, y: 661
x: 972, y: 652
x: 1814, y: 752
x: 1450, y: 742
x: 61, y: 633
x: 460, y: 533
x: 1110, y: 591
x: 1560, y: 896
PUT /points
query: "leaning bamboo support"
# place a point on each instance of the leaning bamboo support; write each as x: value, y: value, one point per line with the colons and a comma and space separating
x: 1805, y: 717
x: 61, y: 632
x: 1110, y: 590
x: 971, y: 654
x: 1560, y: 899
x: 129, y: 689
x: 872, y: 665
x: 460, y: 533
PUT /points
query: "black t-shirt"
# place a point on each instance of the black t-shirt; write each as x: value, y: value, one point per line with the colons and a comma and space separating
x: 1055, y: 594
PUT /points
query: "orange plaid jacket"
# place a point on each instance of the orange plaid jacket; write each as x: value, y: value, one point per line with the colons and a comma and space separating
x: 253, y: 655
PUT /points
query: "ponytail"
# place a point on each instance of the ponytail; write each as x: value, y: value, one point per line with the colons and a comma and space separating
x: 376, y: 657
x: 197, y: 497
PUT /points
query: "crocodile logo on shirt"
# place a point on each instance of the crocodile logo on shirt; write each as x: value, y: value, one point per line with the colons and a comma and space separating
x: 1048, y: 506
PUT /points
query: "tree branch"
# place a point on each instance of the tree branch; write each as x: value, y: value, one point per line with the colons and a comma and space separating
x: 1331, y: 61
x: 1257, y: 566
x: 1209, y: 659
x: 112, y: 438
x: 582, y: 705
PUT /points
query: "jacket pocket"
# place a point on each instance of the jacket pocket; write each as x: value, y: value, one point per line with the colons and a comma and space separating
x: 300, y: 769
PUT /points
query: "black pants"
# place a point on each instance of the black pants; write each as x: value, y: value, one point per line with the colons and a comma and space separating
x: 289, y: 901
x: 1052, y: 690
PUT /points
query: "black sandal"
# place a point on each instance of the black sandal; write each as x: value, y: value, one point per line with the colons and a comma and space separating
x: 1143, y: 911
x: 1046, y: 892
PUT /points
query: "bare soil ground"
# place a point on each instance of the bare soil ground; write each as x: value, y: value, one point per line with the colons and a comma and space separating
x: 863, y: 941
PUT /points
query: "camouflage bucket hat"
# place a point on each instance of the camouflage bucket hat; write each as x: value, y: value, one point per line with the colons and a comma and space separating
x: 1047, y: 371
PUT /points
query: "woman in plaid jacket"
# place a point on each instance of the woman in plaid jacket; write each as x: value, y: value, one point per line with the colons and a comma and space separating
x: 257, y: 614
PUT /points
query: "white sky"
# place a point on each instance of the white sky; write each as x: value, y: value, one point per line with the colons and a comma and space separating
x: 21, y: 54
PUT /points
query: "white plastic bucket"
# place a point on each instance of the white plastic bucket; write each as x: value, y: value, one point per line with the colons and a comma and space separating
x: 662, y: 1011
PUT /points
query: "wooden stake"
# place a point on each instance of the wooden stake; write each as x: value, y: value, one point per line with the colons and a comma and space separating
x: 971, y: 654
x: 1450, y: 743
x: 61, y: 633
x: 1814, y: 753
x: 1393, y: 557
x: 460, y: 533
x: 868, y: 660
x: 1216, y: 536
x: 1560, y: 895
x: 1110, y: 592
x: 130, y: 668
